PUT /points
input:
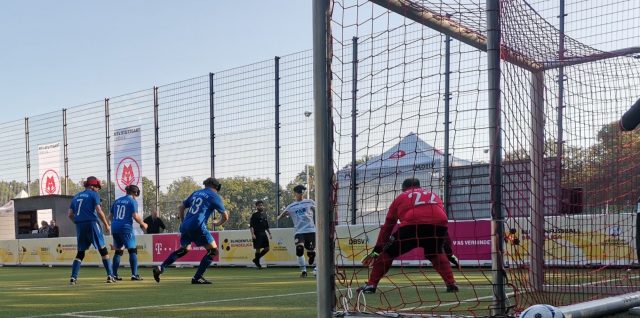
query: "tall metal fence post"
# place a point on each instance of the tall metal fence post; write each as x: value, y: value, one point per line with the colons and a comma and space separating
x: 212, y: 133
x: 157, y: 147
x: 27, y: 153
x: 323, y: 131
x: 65, y: 152
x: 276, y: 62
x: 560, y: 111
x: 447, y: 99
x: 499, y: 306
x: 107, y: 133
x: 354, y: 133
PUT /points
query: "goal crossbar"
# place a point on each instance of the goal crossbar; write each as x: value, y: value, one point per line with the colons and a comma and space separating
x: 447, y: 26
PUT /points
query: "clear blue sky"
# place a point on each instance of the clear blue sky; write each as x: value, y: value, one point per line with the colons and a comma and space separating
x: 63, y: 53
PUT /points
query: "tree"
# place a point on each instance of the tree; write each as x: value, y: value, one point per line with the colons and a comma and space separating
x: 177, y: 192
x: 148, y: 195
x: 9, y: 190
x: 239, y: 195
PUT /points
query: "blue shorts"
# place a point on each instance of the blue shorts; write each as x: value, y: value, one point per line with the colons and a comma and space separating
x: 125, y: 238
x: 89, y: 233
x: 200, y: 237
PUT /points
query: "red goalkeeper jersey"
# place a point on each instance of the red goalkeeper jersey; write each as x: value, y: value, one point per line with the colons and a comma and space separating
x: 412, y: 207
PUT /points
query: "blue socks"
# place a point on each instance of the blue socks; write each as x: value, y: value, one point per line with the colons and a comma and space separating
x: 204, y: 264
x: 75, y: 268
x: 107, y: 266
x: 116, y: 264
x: 172, y: 258
x: 133, y: 261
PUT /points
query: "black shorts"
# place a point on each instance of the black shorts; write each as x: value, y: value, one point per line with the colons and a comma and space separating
x: 308, y: 239
x: 431, y: 238
x: 261, y: 241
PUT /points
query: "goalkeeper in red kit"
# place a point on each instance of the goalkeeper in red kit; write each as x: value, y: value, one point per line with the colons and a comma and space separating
x: 423, y: 223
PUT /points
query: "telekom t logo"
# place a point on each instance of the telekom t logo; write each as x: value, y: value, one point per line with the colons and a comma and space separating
x: 158, y: 248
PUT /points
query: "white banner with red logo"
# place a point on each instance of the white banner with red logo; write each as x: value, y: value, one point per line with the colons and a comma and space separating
x: 49, y: 168
x: 127, y: 162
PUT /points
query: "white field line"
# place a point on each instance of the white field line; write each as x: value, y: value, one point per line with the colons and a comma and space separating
x: 80, y: 313
x: 84, y: 316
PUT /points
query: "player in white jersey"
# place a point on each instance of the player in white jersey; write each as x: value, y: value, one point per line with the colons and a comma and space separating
x: 302, y: 213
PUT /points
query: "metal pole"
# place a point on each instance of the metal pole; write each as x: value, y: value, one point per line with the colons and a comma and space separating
x: 107, y: 132
x: 354, y: 132
x: 499, y: 306
x: 560, y: 141
x: 212, y: 134
x: 306, y: 163
x: 65, y: 151
x: 447, y: 120
x: 323, y: 159
x: 276, y: 62
x: 157, y: 146
x: 536, y: 273
x: 27, y: 154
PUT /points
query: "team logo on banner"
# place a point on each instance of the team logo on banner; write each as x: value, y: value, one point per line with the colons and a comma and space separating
x: 49, y: 168
x: 127, y: 173
x: 50, y: 184
x: 127, y: 163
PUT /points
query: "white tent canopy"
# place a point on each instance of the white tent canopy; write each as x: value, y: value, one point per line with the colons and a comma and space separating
x: 411, y: 153
x: 7, y: 222
x: 23, y: 194
x: 379, y: 179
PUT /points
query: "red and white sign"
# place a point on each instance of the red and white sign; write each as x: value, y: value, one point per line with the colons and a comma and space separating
x: 128, y: 173
x: 398, y: 154
x: 49, y: 168
x: 128, y: 163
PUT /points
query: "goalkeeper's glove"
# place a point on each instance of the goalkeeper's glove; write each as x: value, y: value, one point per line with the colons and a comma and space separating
x: 368, y: 260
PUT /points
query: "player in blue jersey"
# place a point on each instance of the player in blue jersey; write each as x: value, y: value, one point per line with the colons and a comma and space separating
x: 194, y: 213
x: 302, y: 212
x: 123, y: 212
x: 85, y: 211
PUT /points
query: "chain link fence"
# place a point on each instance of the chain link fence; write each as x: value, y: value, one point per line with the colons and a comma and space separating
x: 250, y: 127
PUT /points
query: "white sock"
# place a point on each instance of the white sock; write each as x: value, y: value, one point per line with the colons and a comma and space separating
x: 303, y: 267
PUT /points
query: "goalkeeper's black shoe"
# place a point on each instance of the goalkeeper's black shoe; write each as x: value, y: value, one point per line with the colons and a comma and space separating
x: 452, y: 288
x: 303, y: 274
x: 157, y: 271
x: 136, y: 277
x: 454, y: 261
x: 200, y: 281
x: 367, y: 289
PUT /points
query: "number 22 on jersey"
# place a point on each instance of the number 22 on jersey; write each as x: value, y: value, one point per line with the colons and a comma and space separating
x: 419, y: 199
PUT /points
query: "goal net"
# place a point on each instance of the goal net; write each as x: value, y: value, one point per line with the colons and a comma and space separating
x: 409, y: 98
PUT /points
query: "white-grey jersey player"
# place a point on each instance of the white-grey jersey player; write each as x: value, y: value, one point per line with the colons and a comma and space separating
x: 302, y: 212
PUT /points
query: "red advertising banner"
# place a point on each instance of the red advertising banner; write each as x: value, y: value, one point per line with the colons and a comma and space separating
x: 471, y: 241
x: 165, y: 244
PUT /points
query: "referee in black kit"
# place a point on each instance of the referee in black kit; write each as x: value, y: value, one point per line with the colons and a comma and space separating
x: 259, y: 226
